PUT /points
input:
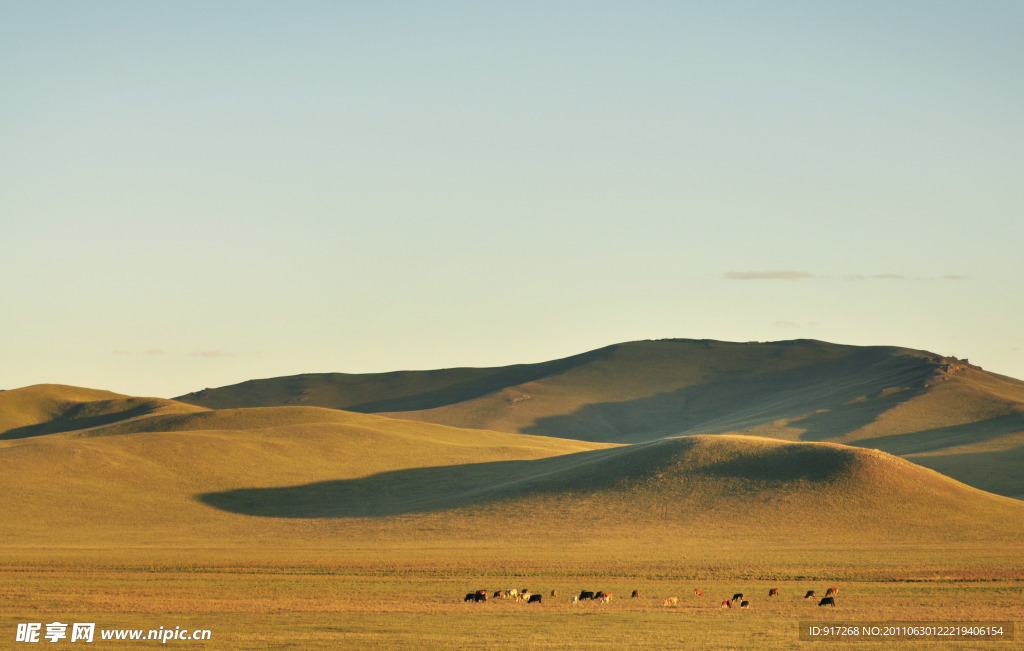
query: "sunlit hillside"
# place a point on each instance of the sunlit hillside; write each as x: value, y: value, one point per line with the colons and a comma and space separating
x: 181, y: 475
x: 940, y: 412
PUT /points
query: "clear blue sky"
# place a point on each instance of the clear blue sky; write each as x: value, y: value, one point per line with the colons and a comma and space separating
x: 194, y: 194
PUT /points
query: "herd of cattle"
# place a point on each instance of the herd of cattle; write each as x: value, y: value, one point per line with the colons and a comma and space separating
x: 604, y: 597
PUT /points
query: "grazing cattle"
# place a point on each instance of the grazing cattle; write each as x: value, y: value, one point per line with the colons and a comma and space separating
x: 575, y: 598
x: 601, y: 595
x: 605, y: 597
x: 726, y: 604
x: 482, y: 592
x: 810, y: 593
x: 525, y: 595
x: 479, y: 595
x: 831, y: 592
x: 554, y: 593
x: 586, y: 594
x: 671, y: 601
x: 744, y: 604
x: 534, y: 599
x: 827, y: 601
x: 470, y: 597
x: 697, y: 592
x: 774, y: 592
x: 738, y: 596
x: 636, y: 593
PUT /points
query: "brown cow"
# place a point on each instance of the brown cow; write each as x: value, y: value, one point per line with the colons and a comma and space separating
x: 831, y: 592
x: 727, y: 604
x: 774, y: 592
x: 697, y: 592
x: 671, y: 601
x: 636, y: 594
x: 810, y: 593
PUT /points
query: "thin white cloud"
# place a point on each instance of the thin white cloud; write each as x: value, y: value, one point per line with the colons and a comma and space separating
x: 778, y: 274
x: 889, y: 276
x: 953, y: 277
x: 210, y: 354
x: 121, y: 352
x: 154, y: 351
x: 786, y: 324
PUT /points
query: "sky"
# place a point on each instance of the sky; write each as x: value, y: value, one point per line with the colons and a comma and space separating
x: 194, y: 194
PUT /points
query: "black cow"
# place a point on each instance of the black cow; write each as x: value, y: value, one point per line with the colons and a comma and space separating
x: 744, y: 604
x: 827, y: 601
x: 586, y: 594
x: 534, y: 599
x: 738, y: 596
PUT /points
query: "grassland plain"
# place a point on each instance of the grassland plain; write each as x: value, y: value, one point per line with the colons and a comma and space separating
x: 300, y: 527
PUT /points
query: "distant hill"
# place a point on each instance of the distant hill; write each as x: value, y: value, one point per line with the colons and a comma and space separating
x: 51, y: 408
x: 290, y: 474
x: 940, y: 412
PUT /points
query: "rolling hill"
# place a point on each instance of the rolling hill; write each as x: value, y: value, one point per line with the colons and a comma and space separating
x: 938, y: 411
x: 51, y: 408
x: 187, y: 476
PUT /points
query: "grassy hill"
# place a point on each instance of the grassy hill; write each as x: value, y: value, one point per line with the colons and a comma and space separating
x: 726, y: 484
x: 137, y: 480
x: 940, y: 412
x: 182, y: 475
x: 300, y: 525
x: 50, y: 408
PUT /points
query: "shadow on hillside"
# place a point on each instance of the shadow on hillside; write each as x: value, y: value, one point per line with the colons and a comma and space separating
x: 73, y: 420
x: 663, y: 471
x: 945, y: 437
x: 784, y: 464
x: 422, y: 490
x: 751, y: 400
x: 480, y: 382
x: 996, y: 472
x: 851, y: 416
x: 392, y: 392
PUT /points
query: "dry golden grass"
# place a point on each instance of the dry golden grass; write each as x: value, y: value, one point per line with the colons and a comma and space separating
x: 304, y: 527
x: 902, y: 401
x: 407, y: 598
